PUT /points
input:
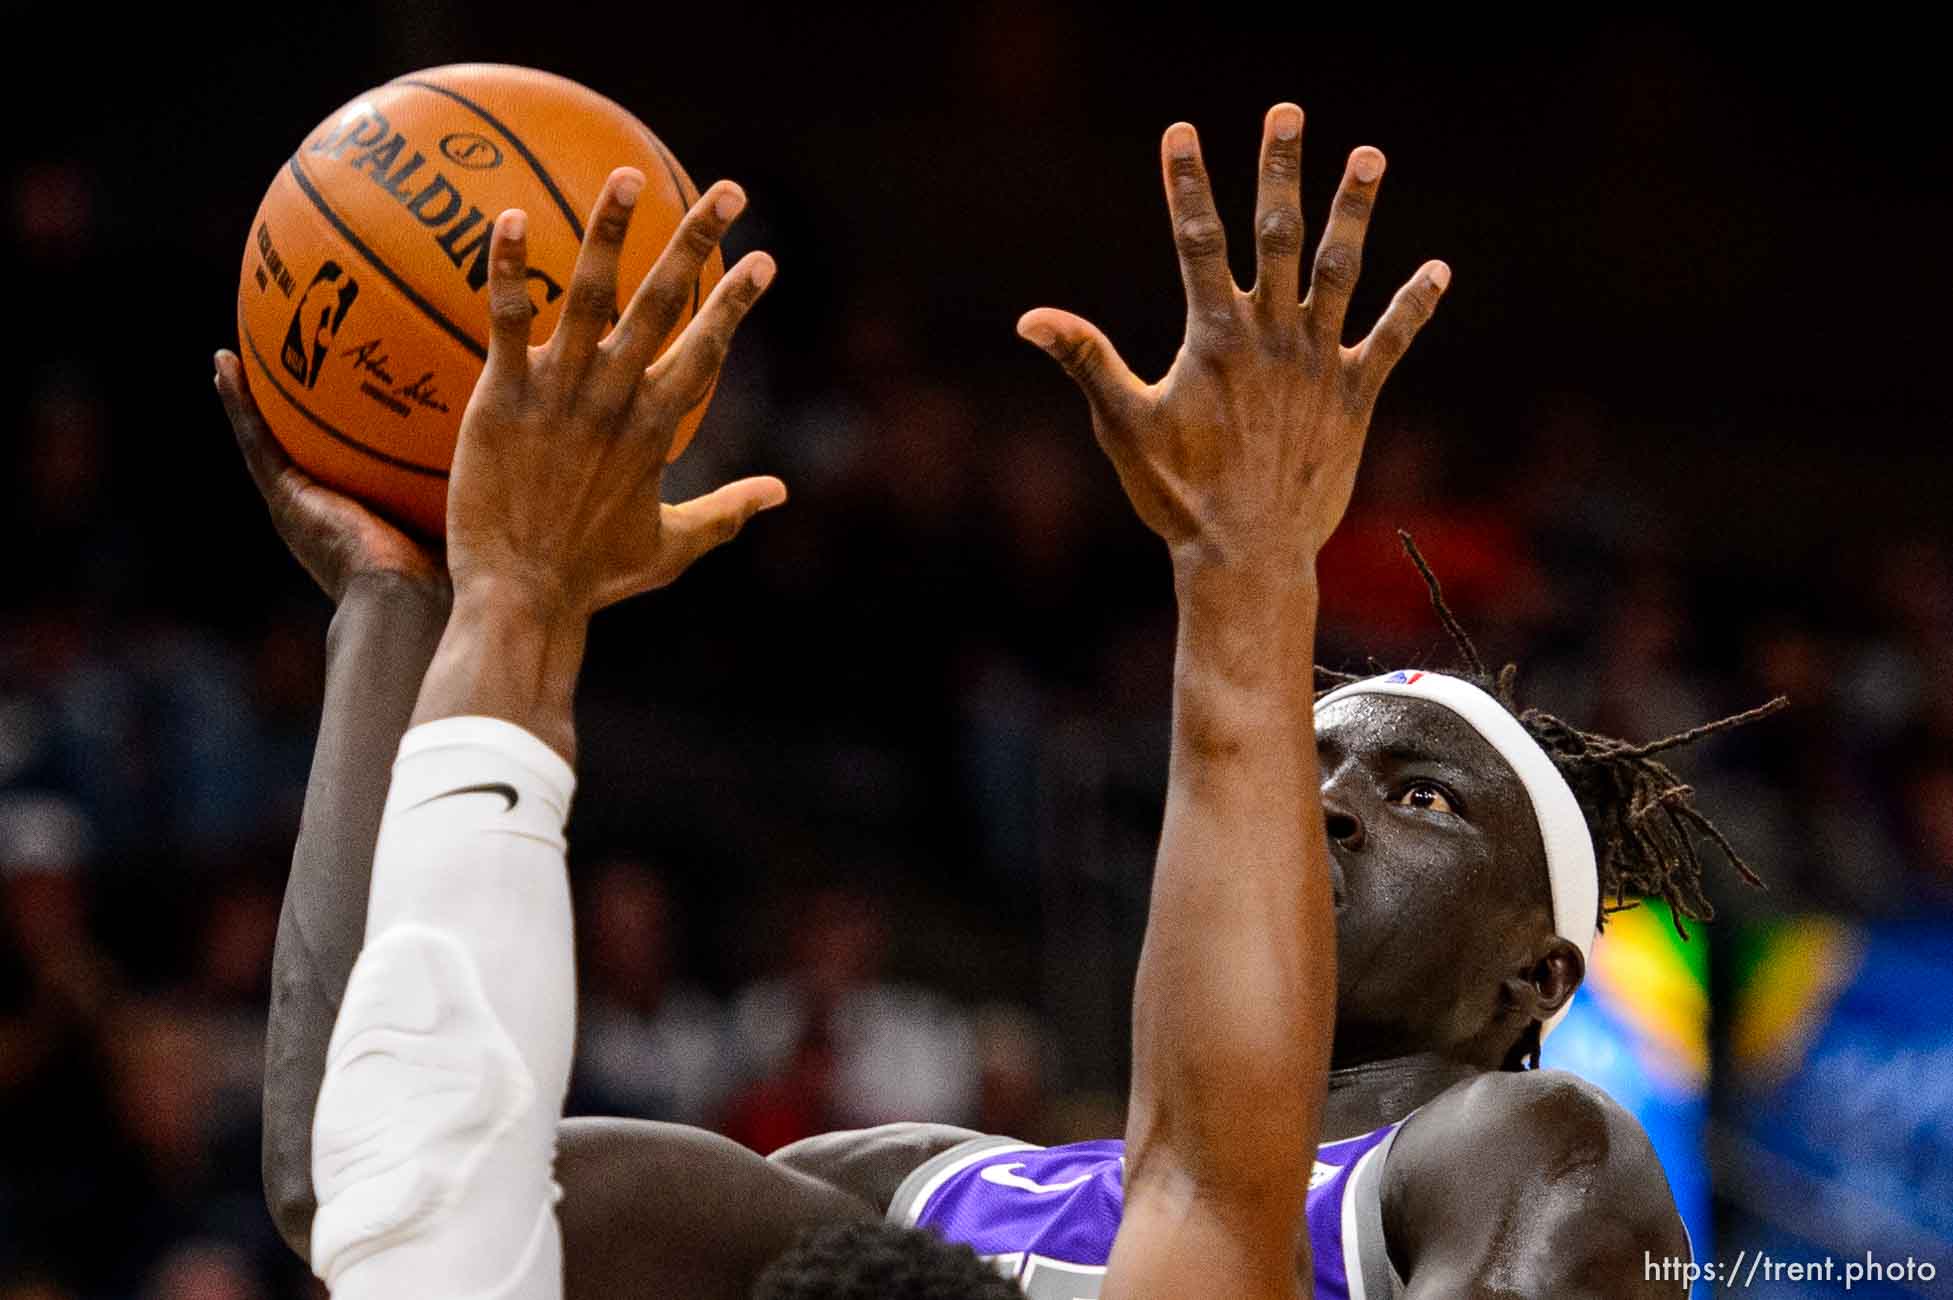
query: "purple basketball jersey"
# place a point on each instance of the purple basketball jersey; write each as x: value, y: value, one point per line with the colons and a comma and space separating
x: 1047, y: 1215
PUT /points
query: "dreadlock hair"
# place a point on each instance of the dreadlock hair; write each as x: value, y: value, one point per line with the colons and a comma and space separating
x: 1642, y: 817
x: 877, y: 1260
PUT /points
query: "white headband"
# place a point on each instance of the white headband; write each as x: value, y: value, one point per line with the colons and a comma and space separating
x: 1570, y: 872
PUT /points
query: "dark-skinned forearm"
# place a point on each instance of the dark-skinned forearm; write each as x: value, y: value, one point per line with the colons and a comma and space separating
x: 381, y: 641
x: 1235, y: 991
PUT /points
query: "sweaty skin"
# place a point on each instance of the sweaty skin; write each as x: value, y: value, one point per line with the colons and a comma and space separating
x: 1440, y: 879
x: 1242, y: 459
x: 1504, y: 1184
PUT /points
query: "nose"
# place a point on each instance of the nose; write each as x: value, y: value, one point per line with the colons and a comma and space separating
x: 1345, y: 827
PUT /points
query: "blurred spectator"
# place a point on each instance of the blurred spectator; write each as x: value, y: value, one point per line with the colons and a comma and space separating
x: 1017, y: 1062
x: 652, y: 1046
x: 1374, y: 602
x: 204, y: 1270
x: 835, y: 1044
x: 1633, y: 678
x: 229, y: 985
x: 38, y: 1288
x: 54, y: 209
x: 1928, y: 788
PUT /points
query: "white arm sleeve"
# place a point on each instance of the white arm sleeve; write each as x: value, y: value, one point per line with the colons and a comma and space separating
x: 434, y: 1139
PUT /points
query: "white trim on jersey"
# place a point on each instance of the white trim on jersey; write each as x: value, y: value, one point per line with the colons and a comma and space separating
x: 1352, y: 1239
x: 983, y: 1148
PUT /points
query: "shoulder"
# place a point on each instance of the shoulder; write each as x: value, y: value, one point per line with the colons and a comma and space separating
x: 1540, y: 1171
x: 679, y: 1213
x: 870, y: 1164
x: 1541, y: 1125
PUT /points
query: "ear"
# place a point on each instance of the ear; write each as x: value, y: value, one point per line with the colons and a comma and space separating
x: 1558, y: 972
x: 1548, y: 981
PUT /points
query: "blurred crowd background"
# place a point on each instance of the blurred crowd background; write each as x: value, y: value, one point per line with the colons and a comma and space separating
x: 868, y: 800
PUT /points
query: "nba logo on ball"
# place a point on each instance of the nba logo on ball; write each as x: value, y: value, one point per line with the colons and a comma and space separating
x: 316, y: 322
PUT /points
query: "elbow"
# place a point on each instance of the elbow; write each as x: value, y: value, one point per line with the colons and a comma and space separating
x: 288, y: 1196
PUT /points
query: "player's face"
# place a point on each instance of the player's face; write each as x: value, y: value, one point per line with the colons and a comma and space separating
x: 1438, y: 872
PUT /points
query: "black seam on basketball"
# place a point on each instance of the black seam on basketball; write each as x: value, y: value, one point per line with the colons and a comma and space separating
x: 535, y: 163
x: 685, y: 191
x: 395, y: 461
x: 345, y: 232
x: 686, y: 194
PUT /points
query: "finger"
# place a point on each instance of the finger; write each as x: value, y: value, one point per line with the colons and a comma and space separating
x: 1278, y: 215
x: 679, y: 380
x: 1378, y: 354
x: 509, y: 308
x: 694, y: 527
x: 1197, y: 232
x: 1084, y: 352
x: 667, y: 291
x: 591, y: 303
x: 263, y: 455
x: 1339, y: 259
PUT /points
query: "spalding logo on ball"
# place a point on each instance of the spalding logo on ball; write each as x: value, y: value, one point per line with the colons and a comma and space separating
x: 362, y: 311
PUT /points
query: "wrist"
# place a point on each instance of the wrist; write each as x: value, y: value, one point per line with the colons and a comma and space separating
x: 525, y: 629
x: 1245, y: 656
x: 508, y: 589
x: 393, y: 588
x: 511, y: 650
x: 389, y: 616
x: 507, y: 596
x: 1266, y: 551
x: 1269, y: 599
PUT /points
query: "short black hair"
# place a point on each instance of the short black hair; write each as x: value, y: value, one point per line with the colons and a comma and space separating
x: 877, y: 1260
x: 1642, y: 816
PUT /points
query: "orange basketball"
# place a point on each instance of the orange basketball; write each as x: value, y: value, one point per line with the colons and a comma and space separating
x: 362, y: 309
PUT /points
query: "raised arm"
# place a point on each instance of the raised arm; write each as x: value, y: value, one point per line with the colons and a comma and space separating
x: 392, y: 597
x: 1242, y: 459
x: 434, y: 1141
x: 393, y: 600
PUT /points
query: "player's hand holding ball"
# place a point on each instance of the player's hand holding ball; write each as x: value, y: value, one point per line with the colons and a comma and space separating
x: 1249, y: 446
x: 336, y: 538
x: 554, y: 495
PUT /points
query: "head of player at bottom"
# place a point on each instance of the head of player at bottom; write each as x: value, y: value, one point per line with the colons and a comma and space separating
x: 1468, y: 897
x: 880, y: 1261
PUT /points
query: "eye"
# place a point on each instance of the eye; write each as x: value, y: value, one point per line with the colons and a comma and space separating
x: 1428, y: 795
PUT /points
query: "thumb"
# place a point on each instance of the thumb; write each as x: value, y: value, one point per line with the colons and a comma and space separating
x: 268, y: 462
x: 1084, y: 352
x: 694, y: 527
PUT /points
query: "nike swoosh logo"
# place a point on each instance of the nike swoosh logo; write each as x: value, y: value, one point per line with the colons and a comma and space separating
x: 502, y: 788
x: 1003, y: 1176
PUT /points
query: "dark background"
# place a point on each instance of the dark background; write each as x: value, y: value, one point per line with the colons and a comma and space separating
x: 1675, y: 436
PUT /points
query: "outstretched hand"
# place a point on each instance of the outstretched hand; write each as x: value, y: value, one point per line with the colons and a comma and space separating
x: 333, y: 536
x: 1249, y: 446
x: 554, y: 492
x: 553, y: 506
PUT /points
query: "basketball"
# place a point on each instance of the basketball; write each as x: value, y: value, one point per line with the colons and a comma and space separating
x: 362, y: 311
